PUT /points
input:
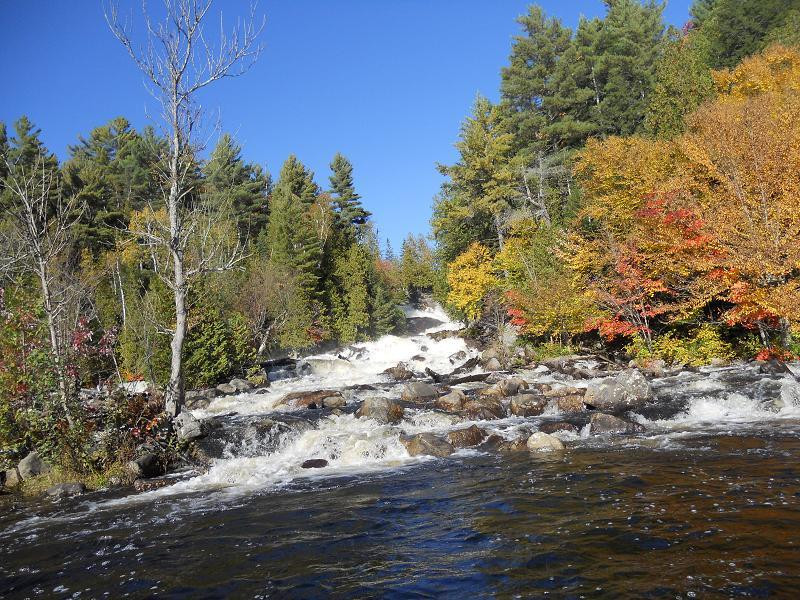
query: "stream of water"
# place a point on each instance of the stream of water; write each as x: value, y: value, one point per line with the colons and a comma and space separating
x: 705, y: 503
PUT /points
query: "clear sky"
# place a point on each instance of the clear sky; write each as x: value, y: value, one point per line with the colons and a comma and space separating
x: 386, y: 82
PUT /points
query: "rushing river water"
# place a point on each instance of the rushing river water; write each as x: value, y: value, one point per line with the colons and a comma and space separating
x: 706, y: 503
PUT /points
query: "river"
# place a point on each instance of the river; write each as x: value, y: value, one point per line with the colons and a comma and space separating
x: 704, y: 504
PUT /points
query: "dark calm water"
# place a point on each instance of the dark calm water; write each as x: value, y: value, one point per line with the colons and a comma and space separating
x: 718, y: 517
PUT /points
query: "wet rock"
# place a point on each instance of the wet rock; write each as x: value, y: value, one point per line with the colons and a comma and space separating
x: 334, y: 402
x: 558, y: 426
x: 418, y: 391
x: 418, y: 358
x: 188, y: 428
x: 604, y: 423
x: 466, y: 438
x: 570, y: 404
x: 512, y: 386
x: 427, y: 444
x: 491, y: 392
x: 147, y: 465
x: 561, y: 364
x: 66, y: 490
x: 457, y: 357
x: 226, y: 389
x: 241, y: 385
x: 316, y: 399
x: 452, y: 402
x: 560, y: 392
x: 438, y: 336
x: 381, y: 410
x: 199, y: 399
x: 498, y: 443
x: 627, y: 390
x: 527, y: 405
x: 655, y: 368
x: 32, y: 465
x: 544, y: 442
x: 148, y: 485
x: 469, y: 378
x: 483, y: 409
x: 493, y: 364
x: 467, y: 366
x: 400, y: 372
x: 314, y: 463
x: 773, y: 367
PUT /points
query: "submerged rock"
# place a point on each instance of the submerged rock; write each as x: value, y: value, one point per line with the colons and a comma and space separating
x: 418, y: 391
x: 381, y: 410
x: 627, y: 390
x: 558, y: 426
x: 32, y: 465
x: 314, y: 463
x: 465, y: 438
x: 544, y: 442
x: 65, y: 490
x: 427, y: 444
x: 498, y: 443
x: 604, y: 423
x: 527, y: 405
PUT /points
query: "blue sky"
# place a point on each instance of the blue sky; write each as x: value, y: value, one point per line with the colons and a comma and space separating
x: 386, y: 82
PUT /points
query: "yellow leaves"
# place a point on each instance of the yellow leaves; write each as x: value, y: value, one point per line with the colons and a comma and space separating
x: 776, y: 69
x: 470, y: 277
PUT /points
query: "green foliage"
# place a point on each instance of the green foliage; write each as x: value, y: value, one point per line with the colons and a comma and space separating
x: 697, y: 348
x: 216, y: 348
x: 552, y: 350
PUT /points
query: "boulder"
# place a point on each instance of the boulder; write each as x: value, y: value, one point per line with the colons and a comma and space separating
x: 561, y: 364
x: 32, y: 465
x: 500, y: 444
x: 334, y: 402
x: 655, y: 368
x: 226, y: 389
x: 512, y: 386
x: 452, y: 402
x: 400, y: 372
x: 493, y: 364
x: 199, y: 399
x: 188, y: 428
x: 419, y: 391
x: 773, y: 367
x: 560, y: 392
x: 148, y: 485
x: 314, y: 463
x: 418, y: 358
x: 483, y: 409
x: 558, y: 426
x: 457, y: 357
x: 527, y: 405
x: 465, y: 438
x: 491, y: 392
x: 316, y: 399
x: 570, y: 404
x: 381, y: 410
x: 544, y: 442
x: 241, y: 385
x: 627, y: 390
x: 65, y: 490
x: 147, y: 465
x: 427, y: 444
x: 12, y: 478
x: 604, y: 423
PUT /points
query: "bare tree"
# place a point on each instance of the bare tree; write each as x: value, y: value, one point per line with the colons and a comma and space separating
x: 178, y: 61
x: 40, y: 221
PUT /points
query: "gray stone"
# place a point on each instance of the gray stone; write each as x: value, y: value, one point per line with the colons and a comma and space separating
x: 527, y: 405
x: 226, y: 389
x: 562, y: 391
x: 241, y: 385
x: 501, y: 444
x: 544, y: 442
x: 32, y: 465
x: 381, y: 410
x: 399, y: 372
x: 603, y: 423
x: 427, y: 444
x: 314, y: 399
x: 570, y: 404
x: 457, y: 357
x: 337, y: 401
x: 627, y: 390
x: 188, y: 428
x: 419, y: 391
x: 65, y: 490
x: 147, y: 465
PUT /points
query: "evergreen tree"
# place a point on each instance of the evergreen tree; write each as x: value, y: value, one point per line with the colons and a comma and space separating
x: 229, y: 181
x: 347, y: 202
x: 386, y: 314
x: 700, y: 11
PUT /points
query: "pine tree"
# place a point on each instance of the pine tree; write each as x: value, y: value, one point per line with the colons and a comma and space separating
x: 347, y: 202
x: 386, y: 315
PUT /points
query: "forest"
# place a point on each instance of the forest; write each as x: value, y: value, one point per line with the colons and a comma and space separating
x: 634, y: 192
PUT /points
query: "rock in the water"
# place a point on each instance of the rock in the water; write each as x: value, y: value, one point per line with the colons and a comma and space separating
x: 457, y: 357
x: 334, y: 402
x: 773, y: 367
x: 65, y: 490
x: 241, y: 385
x: 381, y: 410
x: 419, y: 391
x: 465, y: 438
x: 627, y: 390
x: 501, y: 444
x: 560, y: 392
x: 484, y: 409
x: 452, y: 402
x: 527, y: 405
x: 315, y: 399
x: 544, y: 442
x: 493, y: 364
x: 199, y: 399
x: 226, y: 389
x: 561, y: 364
x: 400, y: 372
x: 512, y: 386
x: 427, y: 444
x: 147, y: 465
x: 570, y: 404
x: 314, y: 463
x: 188, y: 428
x: 32, y: 465
x: 603, y: 423
x: 148, y: 485
x: 559, y: 426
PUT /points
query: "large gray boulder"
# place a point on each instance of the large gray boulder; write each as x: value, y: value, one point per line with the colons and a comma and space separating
x: 241, y: 385
x: 544, y: 442
x: 32, y: 465
x: 381, y: 410
x: 427, y: 444
x: 630, y: 389
x: 418, y: 391
x: 493, y: 364
x: 188, y: 428
x: 226, y: 389
x: 602, y: 423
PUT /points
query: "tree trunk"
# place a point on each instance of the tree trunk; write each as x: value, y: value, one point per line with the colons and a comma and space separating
x: 55, y: 346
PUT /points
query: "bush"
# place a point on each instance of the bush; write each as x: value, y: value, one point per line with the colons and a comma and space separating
x: 699, y: 348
